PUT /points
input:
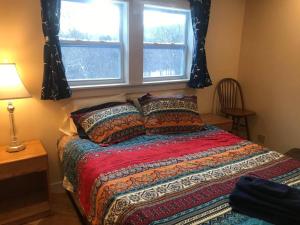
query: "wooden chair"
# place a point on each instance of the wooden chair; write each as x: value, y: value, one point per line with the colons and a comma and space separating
x: 232, y: 104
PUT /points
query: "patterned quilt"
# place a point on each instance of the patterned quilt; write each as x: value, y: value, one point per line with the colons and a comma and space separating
x: 168, y: 179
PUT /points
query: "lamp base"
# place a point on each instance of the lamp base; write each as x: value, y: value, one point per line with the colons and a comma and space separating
x: 15, y: 147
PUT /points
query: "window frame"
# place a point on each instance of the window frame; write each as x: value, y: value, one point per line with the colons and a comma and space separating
x: 105, y: 44
x: 132, y: 51
x: 170, y: 46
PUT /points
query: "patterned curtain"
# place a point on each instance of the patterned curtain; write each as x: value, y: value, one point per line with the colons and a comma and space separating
x: 200, y: 10
x: 55, y: 85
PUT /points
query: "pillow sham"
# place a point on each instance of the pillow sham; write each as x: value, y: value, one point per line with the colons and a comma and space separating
x: 81, y: 112
x: 164, y: 115
x: 68, y: 127
x: 111, y: 123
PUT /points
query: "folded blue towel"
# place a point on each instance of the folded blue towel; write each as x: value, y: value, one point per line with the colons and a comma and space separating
x: 267, y: 200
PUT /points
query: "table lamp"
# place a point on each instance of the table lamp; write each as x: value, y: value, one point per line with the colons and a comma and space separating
x: 11, y: 87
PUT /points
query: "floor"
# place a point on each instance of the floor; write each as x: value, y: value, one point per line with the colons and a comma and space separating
x: 62, y: 212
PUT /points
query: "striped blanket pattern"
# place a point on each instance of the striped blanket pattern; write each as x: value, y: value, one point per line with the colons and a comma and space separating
x: 169, y: 179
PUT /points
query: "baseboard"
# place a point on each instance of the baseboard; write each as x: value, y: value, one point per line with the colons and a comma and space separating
x: 56, y: 187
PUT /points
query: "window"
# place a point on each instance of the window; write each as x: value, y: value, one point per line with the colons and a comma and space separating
x: 165, y: 43
x: 92, y: 41
x: 97, y: 48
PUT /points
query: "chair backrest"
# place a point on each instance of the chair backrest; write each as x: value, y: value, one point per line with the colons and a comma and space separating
x: 230, y: 94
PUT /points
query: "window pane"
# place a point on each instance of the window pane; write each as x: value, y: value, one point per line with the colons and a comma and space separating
x: 90, y: 21
x: 161, y: 62
x: 164, y: 26
x: 91, y: 62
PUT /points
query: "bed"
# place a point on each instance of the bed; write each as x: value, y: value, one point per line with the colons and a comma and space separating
x: 168, y: 179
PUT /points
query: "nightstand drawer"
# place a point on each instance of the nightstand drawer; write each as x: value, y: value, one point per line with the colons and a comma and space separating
x: 23, y: 167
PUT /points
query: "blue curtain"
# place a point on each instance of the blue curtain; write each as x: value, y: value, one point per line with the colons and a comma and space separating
x: 200, y: 10
x: 55, y: 85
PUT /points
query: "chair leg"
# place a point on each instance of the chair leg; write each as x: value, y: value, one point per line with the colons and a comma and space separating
x: 238, y: 124
x: 247, y: 128
x: 233, y: 124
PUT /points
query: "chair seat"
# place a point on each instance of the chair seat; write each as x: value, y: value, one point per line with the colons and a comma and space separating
x: 238, y: 112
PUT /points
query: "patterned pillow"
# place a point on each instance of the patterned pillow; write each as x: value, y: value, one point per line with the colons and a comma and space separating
x: 76, y: 115
x: 163, y: 115
x: 112, y: 124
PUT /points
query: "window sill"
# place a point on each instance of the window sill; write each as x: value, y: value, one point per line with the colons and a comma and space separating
x: 114, y: 89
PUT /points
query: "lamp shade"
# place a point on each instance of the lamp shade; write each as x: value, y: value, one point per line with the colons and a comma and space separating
x: 11, y: 86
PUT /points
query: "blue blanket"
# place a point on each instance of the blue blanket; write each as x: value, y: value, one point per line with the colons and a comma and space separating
x: 267, y: 200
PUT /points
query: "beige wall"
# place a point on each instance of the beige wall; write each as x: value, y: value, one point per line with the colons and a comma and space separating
x: 223, y: 45
x: 270, y: 70
x: 21, y: 41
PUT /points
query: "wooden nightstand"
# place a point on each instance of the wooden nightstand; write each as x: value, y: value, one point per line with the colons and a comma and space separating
x: 24, y: 191
x: 219, y: 121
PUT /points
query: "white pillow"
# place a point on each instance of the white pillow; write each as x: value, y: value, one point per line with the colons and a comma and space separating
x: 68, y: 127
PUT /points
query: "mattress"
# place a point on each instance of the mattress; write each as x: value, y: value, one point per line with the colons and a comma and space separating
x: 168, y: 179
